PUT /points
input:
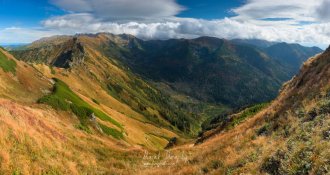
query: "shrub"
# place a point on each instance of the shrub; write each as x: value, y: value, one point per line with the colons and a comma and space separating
x: 83, y: 113
x: 311, y: 115
x: 111, y: 132
x: 325, y: 107
x: 326, y: 134
x: 215, y: 164
x: 264, y: 130
x: 95, y: 101
x: 205, y: 170
x: 273, y: 164
x: 172, y: 142
x: 52, y: 71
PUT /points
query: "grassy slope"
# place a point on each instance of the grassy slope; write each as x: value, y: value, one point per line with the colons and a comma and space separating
x: 290, y: 136
x: 135, y: 125
x: 6, y: 64
x: 155, y: 107
x: 36, y: 139
x: 63, y: 98
x: 31, y: 83
x: 39, y: 141
x: 22, y: 83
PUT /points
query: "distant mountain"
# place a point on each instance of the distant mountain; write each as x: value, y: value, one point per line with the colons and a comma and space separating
x: 98, y: 104
x: 254, y: 42
x: 14, y: 46
x: 291, y: 55
x: 291, y: 135
x: 209, y: 69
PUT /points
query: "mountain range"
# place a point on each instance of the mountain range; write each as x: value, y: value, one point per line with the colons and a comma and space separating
x: 96, y: 103
x: 208, y: 69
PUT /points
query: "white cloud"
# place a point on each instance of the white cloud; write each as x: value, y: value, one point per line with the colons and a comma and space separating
x: 298, y: 10
x: 190, y: 28
x: 323, y: 11
x: 122, y: 9
x: 300, y: 21
x: 23, y: 35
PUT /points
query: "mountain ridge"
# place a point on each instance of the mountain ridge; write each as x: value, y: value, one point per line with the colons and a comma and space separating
x: 112, y: 116
x: 179, y: 61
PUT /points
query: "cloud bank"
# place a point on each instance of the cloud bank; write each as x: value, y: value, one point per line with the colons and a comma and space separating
x: 299, y: 21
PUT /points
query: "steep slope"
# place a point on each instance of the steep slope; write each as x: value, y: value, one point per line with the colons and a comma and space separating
x: 290, y: 136
x: 29, y: 84
x: 36, y: 139
x: 291, y: 55
x: 59, y: 51
x: 208, y: 69
x: 213, y: 70
x: 19, y: 81
x: 41, y: 139
x: 118, y: 81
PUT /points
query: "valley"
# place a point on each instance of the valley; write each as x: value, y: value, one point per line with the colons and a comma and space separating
x: 97, y: 103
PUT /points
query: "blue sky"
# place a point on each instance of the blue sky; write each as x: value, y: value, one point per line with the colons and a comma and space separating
x: 26, y: 13
x: 301, y: 21
x: 209, y: 9
x: 29, y: 13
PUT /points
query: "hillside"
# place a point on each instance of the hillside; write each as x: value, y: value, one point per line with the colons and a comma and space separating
x: 77, y: 54
x: 289, y: 136
x: 67, y: 94
x: 207, y: 69
x: 91, y: 108
x: 291, y: 55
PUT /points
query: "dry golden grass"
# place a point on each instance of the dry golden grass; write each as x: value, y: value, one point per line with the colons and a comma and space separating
x: 241, y: 151
x: 136, y: 129
x: 35, y: 141
x: 85, y: 80
x: 27, y: 85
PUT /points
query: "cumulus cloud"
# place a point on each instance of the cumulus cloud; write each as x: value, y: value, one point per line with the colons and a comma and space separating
x: 191, y: 28
x: 122, y: 9
x: 299, y: 21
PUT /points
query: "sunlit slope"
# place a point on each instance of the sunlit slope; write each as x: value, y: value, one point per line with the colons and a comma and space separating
x: 81, y: 57
x: 19, y: 81
x: 290, y: 136
x: 29, y: 84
